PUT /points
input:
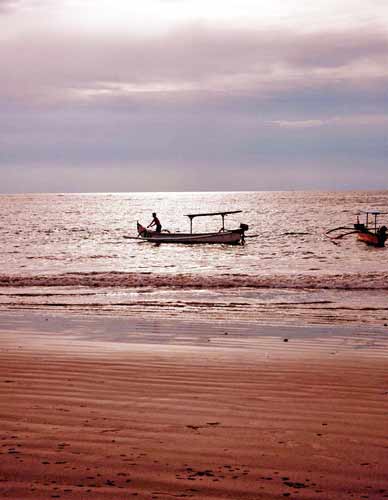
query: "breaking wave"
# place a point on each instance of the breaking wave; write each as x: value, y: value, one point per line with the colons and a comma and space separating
x: 347, y: 281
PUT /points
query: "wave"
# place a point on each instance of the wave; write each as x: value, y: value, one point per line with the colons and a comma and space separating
x: 347, y: 281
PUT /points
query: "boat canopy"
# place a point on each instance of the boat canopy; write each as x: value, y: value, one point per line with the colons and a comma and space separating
x: 372, y: 212
x: 210, y: 214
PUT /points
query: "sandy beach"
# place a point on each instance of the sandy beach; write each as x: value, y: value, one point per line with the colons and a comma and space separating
x: 221, y: 416
x: 193, y: 250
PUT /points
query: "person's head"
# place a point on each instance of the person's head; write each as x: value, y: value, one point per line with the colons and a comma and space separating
x: 153, y: 214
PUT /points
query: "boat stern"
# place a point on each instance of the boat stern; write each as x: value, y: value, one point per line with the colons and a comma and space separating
x: 243, y: 228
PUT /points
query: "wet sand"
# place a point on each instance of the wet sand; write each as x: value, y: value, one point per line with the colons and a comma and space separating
x: 87, y: 412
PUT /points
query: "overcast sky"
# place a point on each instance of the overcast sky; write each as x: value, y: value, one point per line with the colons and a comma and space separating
x: 119, y: 95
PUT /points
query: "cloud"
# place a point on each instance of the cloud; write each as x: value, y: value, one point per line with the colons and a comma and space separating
x: 193, y: 59
x: 339, y: 121
x: 201, y: 107
x: 299, y: 123
x: 8, y: 5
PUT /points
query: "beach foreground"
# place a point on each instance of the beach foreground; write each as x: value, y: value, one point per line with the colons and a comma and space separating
x: 91, y: 416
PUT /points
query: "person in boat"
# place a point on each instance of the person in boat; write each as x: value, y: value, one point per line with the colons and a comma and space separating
x: 155, y: 222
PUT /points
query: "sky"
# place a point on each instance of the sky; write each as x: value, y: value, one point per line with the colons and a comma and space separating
x: 171, y: 95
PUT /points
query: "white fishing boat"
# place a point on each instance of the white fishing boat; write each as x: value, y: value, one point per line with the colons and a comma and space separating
x: 223, y: 236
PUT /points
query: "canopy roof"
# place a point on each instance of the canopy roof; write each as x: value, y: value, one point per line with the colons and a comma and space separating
x: 373, y: 212
x: 210, y: 214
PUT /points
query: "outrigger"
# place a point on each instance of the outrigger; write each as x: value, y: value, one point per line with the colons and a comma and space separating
x: 224, y: 236
x: 369, y: 231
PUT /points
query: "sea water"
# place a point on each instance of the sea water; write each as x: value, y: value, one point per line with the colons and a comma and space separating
x: 67, y: 252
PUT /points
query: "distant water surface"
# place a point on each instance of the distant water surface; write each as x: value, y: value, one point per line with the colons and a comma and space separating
x: 68, y: 251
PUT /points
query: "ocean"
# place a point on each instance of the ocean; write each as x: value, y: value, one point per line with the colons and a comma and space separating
x: 67, y: 252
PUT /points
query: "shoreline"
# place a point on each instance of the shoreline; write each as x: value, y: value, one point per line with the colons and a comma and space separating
x: 275, y: 306
x: 102, y: 409
x: 168, y: 330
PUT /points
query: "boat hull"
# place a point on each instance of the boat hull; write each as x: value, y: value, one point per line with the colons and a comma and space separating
x: 226, y: 238
x: 371, y: 239
x: 232, y: 237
